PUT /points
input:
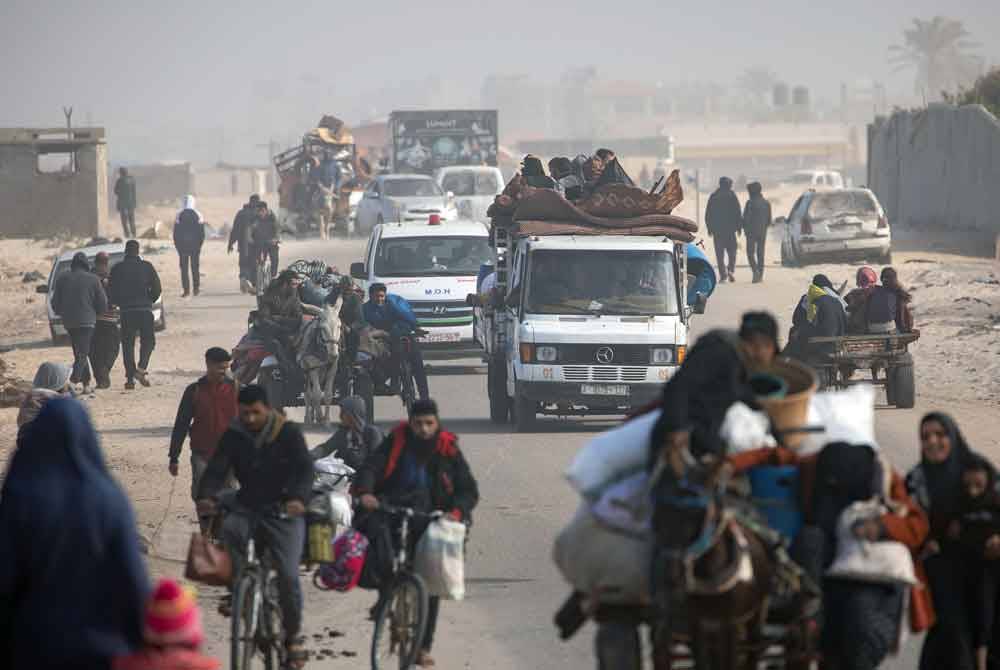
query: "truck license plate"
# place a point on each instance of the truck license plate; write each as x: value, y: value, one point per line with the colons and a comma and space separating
x: 604, y: 389
x: 442, y: 337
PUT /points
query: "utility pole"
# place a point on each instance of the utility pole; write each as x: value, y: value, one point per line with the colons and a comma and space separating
x: 68, y: 113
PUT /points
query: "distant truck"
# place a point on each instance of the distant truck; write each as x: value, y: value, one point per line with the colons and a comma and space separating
x: 424, y: 141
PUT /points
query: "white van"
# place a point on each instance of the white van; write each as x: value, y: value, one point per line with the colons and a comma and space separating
x: 475, y: 187
x: 434, y: 266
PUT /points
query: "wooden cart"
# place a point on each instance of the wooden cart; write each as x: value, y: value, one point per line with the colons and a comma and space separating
x: 886, y: 356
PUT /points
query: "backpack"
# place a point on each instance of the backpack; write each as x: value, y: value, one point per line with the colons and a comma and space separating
x: 845, y: 474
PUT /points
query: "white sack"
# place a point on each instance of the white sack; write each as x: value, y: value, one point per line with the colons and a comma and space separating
x: 848, y: 416
x: 743, y: 429
x: 612, y: 455
x: 440, y: 559
x: 625, y: 505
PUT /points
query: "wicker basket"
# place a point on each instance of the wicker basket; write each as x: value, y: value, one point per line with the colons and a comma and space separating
x: 792, y: 411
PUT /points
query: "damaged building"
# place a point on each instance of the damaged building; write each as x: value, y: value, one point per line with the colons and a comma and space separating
x: 53, y: 181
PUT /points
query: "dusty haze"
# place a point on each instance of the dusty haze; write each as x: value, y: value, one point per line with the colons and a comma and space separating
x: 210, y: 80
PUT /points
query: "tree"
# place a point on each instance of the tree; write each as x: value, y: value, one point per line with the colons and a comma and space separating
x: 940, y: 51
x: 985, y: 92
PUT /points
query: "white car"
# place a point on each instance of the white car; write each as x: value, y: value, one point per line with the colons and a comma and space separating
x: 399, y: 198
x: 839, y: 223
x: 818, y: 179
x: 434, y: 267
x: 115, y: 252
x: 474, y: 186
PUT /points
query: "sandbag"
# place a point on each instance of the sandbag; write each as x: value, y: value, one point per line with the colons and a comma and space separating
x: 610, y: 565
x: 612, y: 455
x: 847, y: 416
x: 439, y: 559
x: 883, y: 562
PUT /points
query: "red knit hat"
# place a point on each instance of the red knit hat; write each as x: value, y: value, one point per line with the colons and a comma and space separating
x: 172, y: 617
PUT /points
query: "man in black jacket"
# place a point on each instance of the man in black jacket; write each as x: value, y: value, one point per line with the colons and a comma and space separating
x: 756, y: 221
x: 79, y: 298
x: 242, y: 237
x: 266, y: 236
x: 271, y: 462
x: 134, y: 286
x: 723, y: 219
x: 189, y: 235
x: 419, y: 465
x: 126, y: 201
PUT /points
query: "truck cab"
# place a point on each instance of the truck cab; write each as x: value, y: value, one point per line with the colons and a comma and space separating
x: 433, y: 265
x: 586, y: 325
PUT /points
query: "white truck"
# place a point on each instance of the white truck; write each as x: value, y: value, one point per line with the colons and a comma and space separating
x: 582, y: 324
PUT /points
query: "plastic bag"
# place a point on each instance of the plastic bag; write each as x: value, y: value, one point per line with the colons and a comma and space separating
x: 882, y: 562
x: 611, y: 565
x: 440, y: 559
x: 625, y: 505
x: 847, y: 416
x: 612, y: 455
x: 743, y: 429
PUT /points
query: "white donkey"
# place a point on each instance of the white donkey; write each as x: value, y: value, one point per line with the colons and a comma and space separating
x: 318, y: 355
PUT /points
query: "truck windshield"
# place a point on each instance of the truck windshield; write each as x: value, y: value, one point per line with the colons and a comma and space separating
x: 471, y: 182
x: 411, y: 188
x: 431, y: 256
x: 621, y: 283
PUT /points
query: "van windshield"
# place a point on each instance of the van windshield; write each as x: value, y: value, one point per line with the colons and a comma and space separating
x: 837, y: 203
x: 622, y: 283
x: 431, y: 256
x: 471, y: 182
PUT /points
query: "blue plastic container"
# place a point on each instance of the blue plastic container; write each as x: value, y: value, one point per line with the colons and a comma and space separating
x: 775, y: 492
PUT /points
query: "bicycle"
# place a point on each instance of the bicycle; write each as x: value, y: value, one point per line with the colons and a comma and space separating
x: 407, y: 389
x: 264, y: 270
x: 256, y: 609
x: 401, y: 610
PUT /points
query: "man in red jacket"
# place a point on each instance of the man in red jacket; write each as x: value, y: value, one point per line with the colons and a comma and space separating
x: 207, y: 408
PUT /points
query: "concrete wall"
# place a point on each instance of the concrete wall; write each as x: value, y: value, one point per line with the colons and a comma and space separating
x: 226, y: 181
x: 938, y: 167
x: 38, y: 204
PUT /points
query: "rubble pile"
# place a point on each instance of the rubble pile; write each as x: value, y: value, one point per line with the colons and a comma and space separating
x: 12, y: 388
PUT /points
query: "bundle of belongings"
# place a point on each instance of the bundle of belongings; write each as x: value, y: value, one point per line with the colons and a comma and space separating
x: 329, y: 513
x: 594, y: 197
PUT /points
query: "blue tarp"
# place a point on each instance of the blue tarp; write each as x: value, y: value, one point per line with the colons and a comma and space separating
x: 704, y: 274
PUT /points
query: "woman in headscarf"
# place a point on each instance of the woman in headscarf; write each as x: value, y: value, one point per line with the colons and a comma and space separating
x: 936, y: 484
x: 888, y: 308
x: 51, y: 381
x: 355, y: 439
x: 857, y: 301
x: 820, y: 313
x: 72, y: 582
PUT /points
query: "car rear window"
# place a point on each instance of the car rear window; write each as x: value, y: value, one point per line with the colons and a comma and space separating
x: 837, y: 203
x: 63, y: 266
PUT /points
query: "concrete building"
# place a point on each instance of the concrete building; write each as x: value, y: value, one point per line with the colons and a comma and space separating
x: 53, y: 181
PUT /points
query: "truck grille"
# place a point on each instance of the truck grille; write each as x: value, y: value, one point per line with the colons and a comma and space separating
x: 586, y: 354
x: 431, y: 313
x: 603, y: 373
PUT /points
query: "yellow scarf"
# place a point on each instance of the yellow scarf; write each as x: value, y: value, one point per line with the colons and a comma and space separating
x: 812, y: 295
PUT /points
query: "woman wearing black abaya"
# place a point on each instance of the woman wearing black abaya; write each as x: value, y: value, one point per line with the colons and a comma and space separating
x: 72, y: 583
x: 936, y: 484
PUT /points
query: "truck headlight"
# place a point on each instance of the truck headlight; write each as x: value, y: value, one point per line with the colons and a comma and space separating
x: 546, y: 354
x: 661, y: 355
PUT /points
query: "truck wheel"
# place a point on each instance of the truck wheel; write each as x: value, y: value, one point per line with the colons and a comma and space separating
x: 524, y: 414
x: 496, y: 386
x: 903, y: 386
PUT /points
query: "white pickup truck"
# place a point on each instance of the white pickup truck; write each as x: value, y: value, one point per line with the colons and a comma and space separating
x: 583, y: 324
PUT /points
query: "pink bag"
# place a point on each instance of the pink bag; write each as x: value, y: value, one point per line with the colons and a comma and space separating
x: 349, y: 551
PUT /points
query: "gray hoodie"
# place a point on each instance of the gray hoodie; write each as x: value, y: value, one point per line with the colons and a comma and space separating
x: 78, y: 298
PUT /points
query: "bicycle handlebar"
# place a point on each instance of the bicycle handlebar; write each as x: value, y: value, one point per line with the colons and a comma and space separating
x: 409, y: 512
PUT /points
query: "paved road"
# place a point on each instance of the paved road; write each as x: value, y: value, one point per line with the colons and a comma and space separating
x: 513, y: 587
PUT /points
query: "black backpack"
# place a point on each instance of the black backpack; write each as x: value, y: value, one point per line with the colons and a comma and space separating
x: 845, y: 474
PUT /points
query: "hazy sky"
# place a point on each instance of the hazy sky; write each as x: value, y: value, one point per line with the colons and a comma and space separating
x: 234, y: 68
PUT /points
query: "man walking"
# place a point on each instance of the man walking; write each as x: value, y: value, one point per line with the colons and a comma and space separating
x: 78, y: 299
x: 126, y: 201
x: 722, y: 216
x: 189, y: 235
x: 269, y: 457
x: 756, y: 221
x: 419, y: 465
x: 104, y: 348
x: 266, y: 236
x: 242, y: 236
x: 134, y: 287
x: 207, y: 408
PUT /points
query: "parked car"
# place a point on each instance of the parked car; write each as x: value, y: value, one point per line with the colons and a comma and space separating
x: 115, y: 252
x: 840, y: 223
x: 817, y: 179
x: 399, y: 198
x: 474, y: 186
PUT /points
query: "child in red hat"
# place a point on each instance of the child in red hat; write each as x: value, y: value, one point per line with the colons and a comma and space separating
x: 172, y: 632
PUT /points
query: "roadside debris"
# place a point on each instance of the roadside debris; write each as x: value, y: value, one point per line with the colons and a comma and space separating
x: 12, y: 389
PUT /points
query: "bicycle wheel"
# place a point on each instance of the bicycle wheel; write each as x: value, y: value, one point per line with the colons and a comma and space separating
x: 406, y: 387
x: 272, y: 638
x: 400, y: 622
x: 245, y: 618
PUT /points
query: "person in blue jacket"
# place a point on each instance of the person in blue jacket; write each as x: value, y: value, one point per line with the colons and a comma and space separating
x: 701, y: 269
x: 392, y: 314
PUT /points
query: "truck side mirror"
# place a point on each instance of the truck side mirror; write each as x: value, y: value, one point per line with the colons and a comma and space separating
x: 42, y: 288
x: 358, y: 271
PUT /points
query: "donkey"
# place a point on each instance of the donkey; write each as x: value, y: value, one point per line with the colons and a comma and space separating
x: 319, y: 355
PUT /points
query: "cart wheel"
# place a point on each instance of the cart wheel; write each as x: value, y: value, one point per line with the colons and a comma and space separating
x: 901, y: 385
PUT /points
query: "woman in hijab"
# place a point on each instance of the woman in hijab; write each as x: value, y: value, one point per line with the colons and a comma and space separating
x: 51, y: 381
x: 72, y: 582
x: 857, y: 301
x: 936, y: 484
x: 355, y: 439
